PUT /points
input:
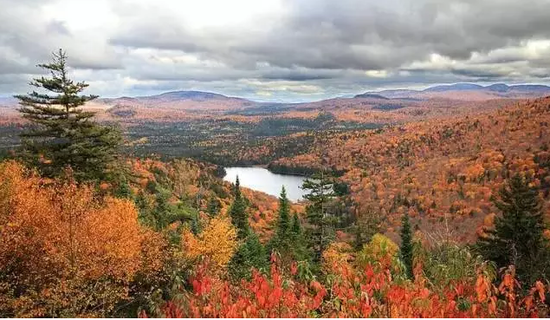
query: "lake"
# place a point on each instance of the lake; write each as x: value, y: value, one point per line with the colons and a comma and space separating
x: 261, y: 179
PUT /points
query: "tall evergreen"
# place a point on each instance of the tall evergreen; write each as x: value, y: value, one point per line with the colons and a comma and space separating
x: 367, y: 224
x: 407, y: 245
x: 320, y: 222
x: 283, y: 224
x: 281, y: 241
x: 296, y: 227
x: 62, y: 134
x: 517, y: 236
x: 238, y: 214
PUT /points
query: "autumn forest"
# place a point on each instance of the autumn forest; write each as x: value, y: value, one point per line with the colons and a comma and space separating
x: 432, y: 206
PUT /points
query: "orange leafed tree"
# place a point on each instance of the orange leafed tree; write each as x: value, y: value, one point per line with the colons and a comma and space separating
x: 63, y: 252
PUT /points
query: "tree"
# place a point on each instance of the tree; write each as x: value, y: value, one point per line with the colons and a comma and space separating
x: 517, y: 236
x: 62, y: 134
x: 319, y: 218
x: 238, y: 214
x: 296, y: 227
x: 367, y: 224
x: 217, y: 242
x: 64, y: 250
x: 283, y: 224
x: 250, y: 254
x: 288, y: 240
x: 213, y: 207
x: 406, y: 248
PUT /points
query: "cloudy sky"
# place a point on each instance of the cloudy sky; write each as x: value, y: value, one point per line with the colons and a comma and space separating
x: 278, y: 50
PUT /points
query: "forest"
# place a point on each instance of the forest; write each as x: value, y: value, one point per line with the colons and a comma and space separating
x: 430, y: 217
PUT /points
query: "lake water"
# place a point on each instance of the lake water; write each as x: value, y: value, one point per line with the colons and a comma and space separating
x: 261, y: 179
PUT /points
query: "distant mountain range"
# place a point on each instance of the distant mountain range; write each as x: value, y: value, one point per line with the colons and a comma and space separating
x: 209, y: 101
x: 465, y: 91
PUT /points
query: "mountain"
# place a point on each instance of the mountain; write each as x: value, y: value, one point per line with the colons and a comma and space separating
x: 468, y: 92
x: 182, y: 100
x: 371, y: 96
x: 454, y: 87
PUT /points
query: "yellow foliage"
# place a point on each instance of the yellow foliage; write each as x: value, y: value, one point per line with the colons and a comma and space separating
x: 217, y: 242
x: 379, y: 249
x: 337, y: 255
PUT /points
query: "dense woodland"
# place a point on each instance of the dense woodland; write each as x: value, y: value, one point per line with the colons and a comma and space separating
x: 440, y: 217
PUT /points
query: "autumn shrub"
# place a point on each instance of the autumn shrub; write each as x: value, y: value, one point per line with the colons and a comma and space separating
x: 63, y: 252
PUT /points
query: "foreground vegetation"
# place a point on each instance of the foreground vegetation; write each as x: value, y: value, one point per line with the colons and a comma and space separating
x: 107, y: 235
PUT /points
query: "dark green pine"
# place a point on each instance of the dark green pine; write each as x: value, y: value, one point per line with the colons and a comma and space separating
x: 517, y: 236
x: 61, y: 133
x: 238, y: 214
x: 407, y: 245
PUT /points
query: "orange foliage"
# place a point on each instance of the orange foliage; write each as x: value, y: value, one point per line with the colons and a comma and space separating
x: 59, y: 246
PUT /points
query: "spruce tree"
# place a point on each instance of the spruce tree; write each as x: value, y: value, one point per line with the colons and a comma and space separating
x: 213, y: 207
x: 282, y: 241
x: 517, y: 236
x: 61, y: 133
x: 283, y: 224
x: 238, y: 214
x: 320, y: 229
x: 250, y: 254
x: 407, y: 245
x: 296, y: 227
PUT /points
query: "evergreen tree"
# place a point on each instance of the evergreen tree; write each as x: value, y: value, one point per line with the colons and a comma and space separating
x: 407, y: 245
x: 62, y: 134
x: 123, y: 190
x: 283, y: 224
x: 296, y: 227
x: 250, y: 254
x: 320, y: 229
x: 213, y: 207
x: 367, y: 224
x: 517, y: 236
x: 288, y: 240
x: 238, y: 214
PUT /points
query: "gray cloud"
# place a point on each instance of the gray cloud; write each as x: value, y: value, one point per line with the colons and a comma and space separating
x: 309, y: 49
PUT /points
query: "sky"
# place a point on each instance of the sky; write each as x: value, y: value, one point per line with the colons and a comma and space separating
x: 275, y: 50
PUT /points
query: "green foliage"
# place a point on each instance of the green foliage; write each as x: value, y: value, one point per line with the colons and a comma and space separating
x: 366, y: 225
x: 447, y: 261
x: 288, y: 240
x: 320, y: 221
x: 250, y: 254
x: 517, y: 237
x: 283, y: 225
x: 238, y: 214
x: 213, y: 207
x: 61, y: 133
x: 406, y: 248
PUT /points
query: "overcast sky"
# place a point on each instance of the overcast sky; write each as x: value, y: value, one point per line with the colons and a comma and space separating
x: 278, y: 50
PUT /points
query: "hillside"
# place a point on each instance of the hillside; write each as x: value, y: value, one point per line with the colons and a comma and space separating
x: 443, y: 172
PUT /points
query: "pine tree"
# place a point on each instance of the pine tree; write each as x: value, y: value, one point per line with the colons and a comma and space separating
x: 517, y: 236
x: 238, y: 214
x: 320, y: 230
x: 288, y: 240
x: 213, y: 207
x: 407, y: 245
x: 367, y: 224
x: 283, y: 224
x: 250, y: 254
x: 62, y: 134
x: 296, y: 227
